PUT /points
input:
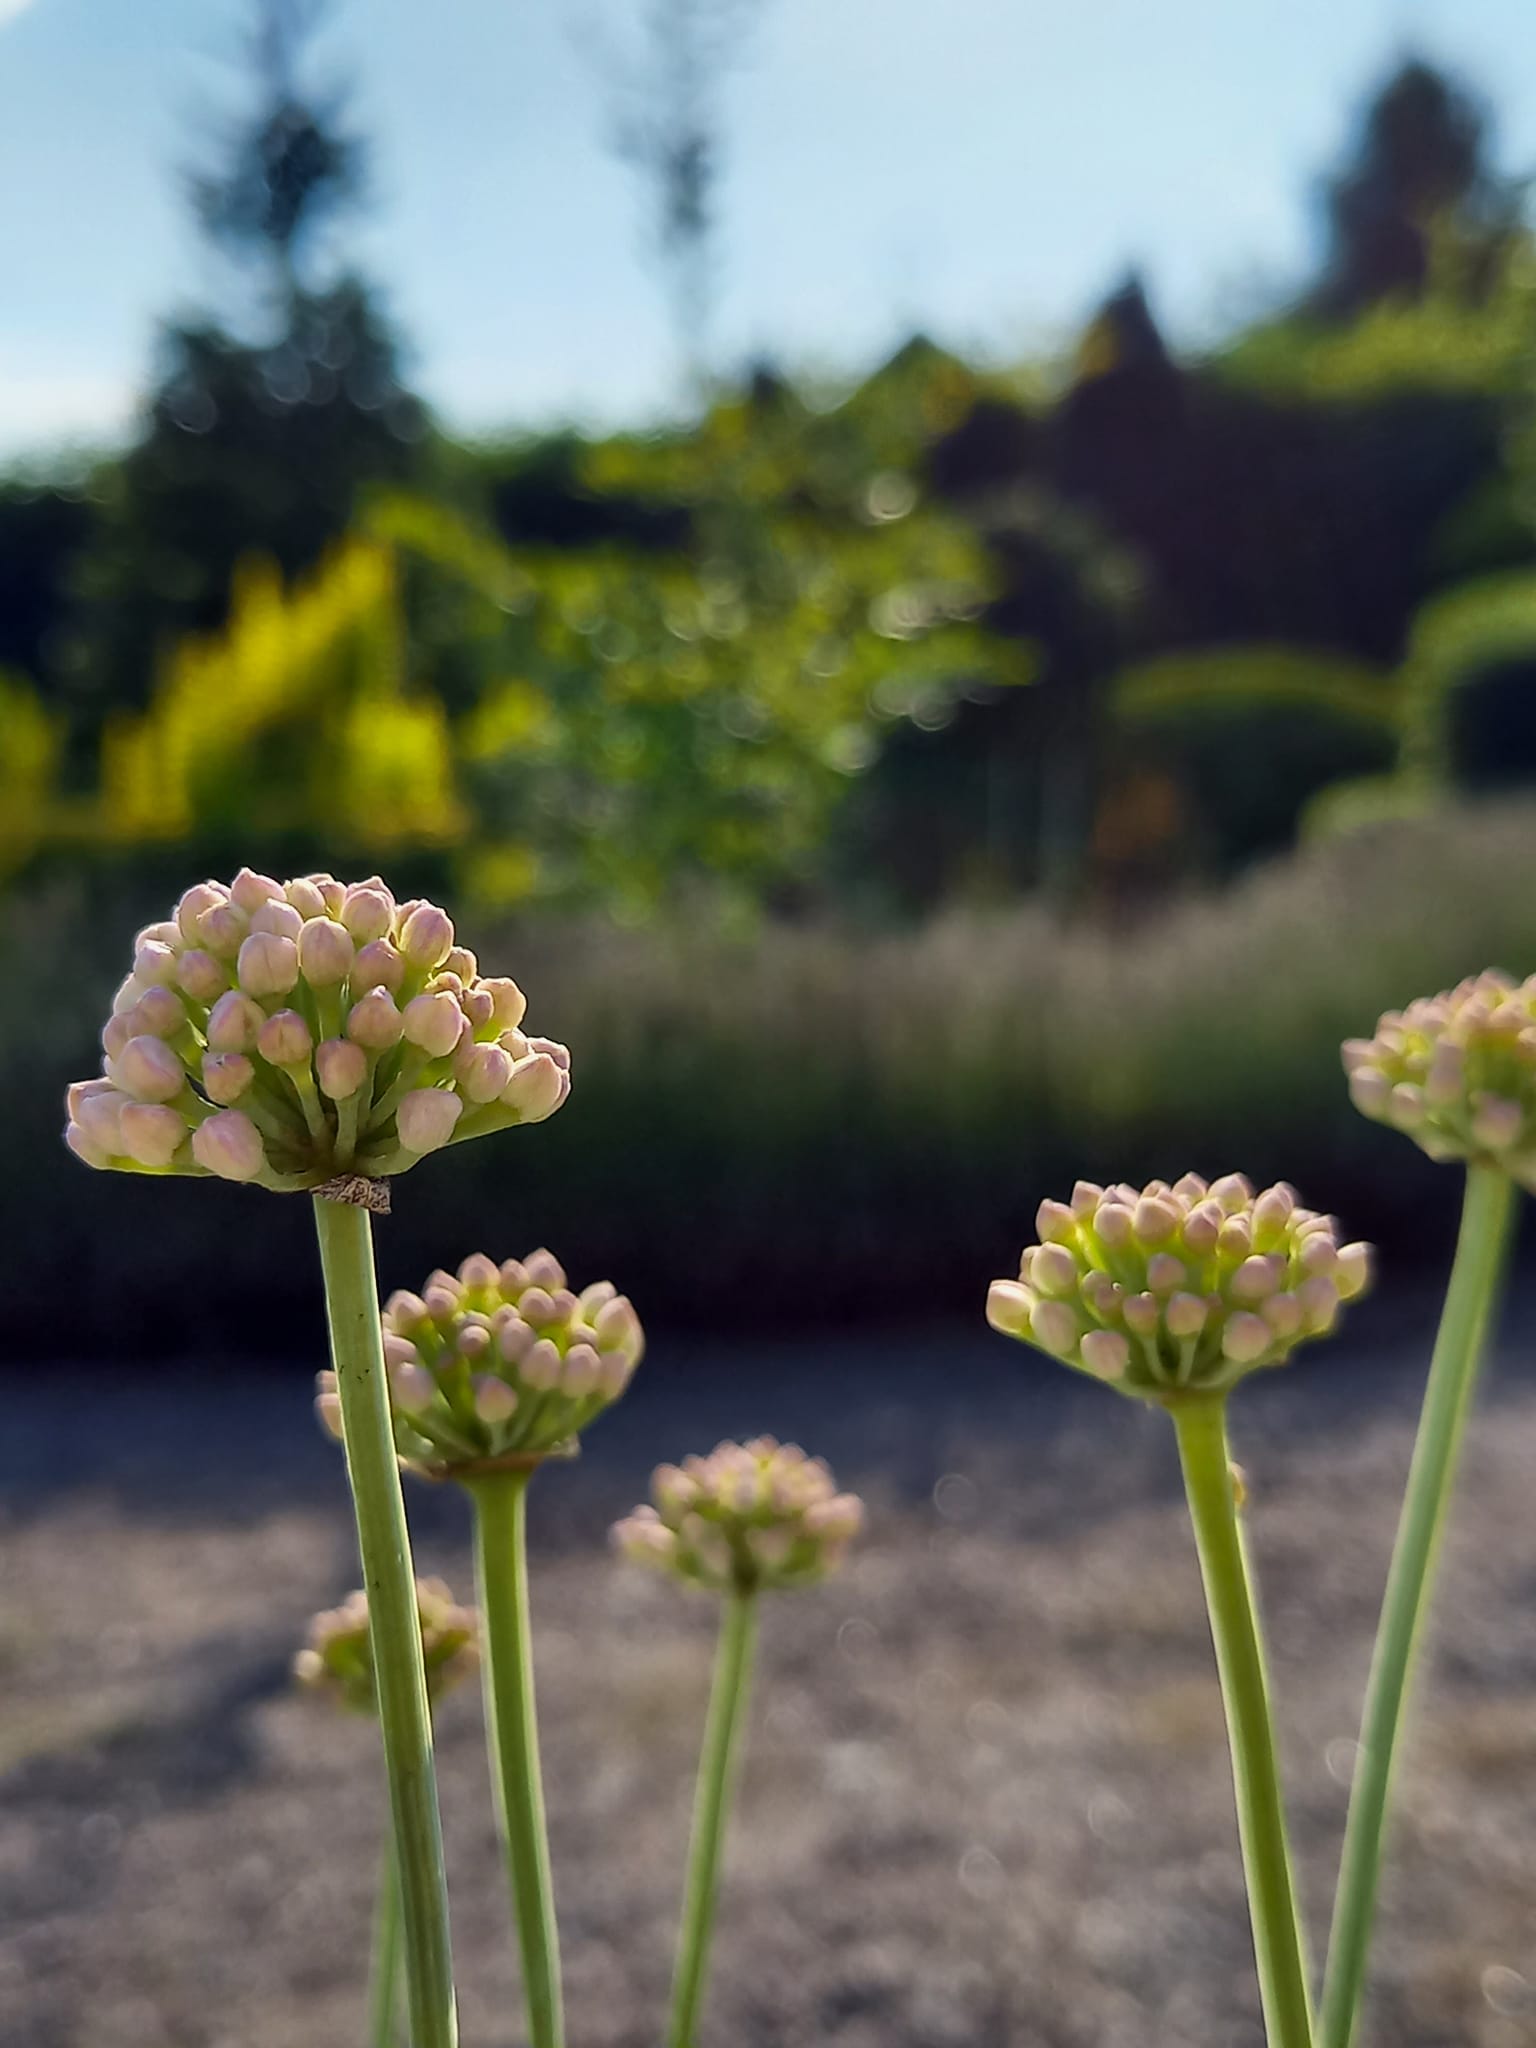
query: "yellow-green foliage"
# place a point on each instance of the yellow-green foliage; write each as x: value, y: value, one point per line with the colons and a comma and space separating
x: 29, y: 753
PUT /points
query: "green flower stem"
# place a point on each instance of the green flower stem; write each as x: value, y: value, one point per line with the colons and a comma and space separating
x: 352, y: 1308
x: 1201, y: 1425
x: 1476, y: 1276
x: 501, y: 1571
x: 384, y: 1985
x: 711, y: 1808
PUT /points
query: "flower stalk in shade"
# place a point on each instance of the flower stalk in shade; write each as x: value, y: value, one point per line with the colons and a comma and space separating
x: 747, y: 1519
x: 1173, y: 1293
x: 1455, y: 1072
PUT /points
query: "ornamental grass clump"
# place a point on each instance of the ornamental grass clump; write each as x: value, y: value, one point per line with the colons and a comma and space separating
x: 321, y: 1036
x: 748, y: 1519
x: 285, y: 1033
x: 1173, y: 1293
x: 336, y: 1664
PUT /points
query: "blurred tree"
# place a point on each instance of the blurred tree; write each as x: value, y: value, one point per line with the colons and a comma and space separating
x: 261, y: 427
x: 1419, y: 163
x: 666, y: 123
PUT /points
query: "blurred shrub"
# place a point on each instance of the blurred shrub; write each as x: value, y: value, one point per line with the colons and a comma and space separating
x: 816, y: 1125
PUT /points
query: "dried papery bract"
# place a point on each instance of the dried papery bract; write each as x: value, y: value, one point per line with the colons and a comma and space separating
x: 284, y: 1033
x: 1456, y: 1073
x: 1178, y: 1289
x: 492, y: 1370
x: 747, y: 1519
x: 1173, y: 1293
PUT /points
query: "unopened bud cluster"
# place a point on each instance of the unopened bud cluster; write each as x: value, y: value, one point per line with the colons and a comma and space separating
x: 499, y: 1361
x: 337, y: 1658
x: 287, y: 1032
x: 749, y: 1517
x: 1171, y: 1290
x: 1457, y: 1073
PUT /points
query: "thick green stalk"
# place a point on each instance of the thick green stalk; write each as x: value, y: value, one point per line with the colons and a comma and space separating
x: 384, y: 1976
x: 711, y: 1809
x: 352, y: 1309
x: 1476, y: 1276
x: 501, y: 1571
x: 1202, y: 1432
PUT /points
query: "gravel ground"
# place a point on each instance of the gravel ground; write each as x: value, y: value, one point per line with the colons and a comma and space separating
x: 986, y: 1798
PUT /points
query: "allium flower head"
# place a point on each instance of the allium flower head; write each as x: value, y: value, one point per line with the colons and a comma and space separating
x: 1171, y: 1290
x: 286, y: 1033
x: 1457, y: 1073
x: 337, y: 1658
x: 750, y: 1517
x: 500, y: 1362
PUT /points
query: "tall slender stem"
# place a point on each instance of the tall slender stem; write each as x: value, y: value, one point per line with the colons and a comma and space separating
x: 501, y: 1571
x: 1476, y: 1275
x: 711, y: 1810
x: 1202, y: 1432
x: 384, y: 1985
x: 352, y: 1309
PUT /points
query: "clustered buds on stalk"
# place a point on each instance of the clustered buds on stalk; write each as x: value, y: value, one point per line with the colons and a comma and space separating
x: 287, y: 1032
x: 499, y: 1361
x: 749, y: 1517
x: 1169, y: 1290
x: 1457, y: 1073
x: 337, y: 1658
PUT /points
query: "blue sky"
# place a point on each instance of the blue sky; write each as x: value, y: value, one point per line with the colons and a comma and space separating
x: 984, y: 168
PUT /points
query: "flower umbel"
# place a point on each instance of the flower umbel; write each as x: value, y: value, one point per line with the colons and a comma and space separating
x: 1457, y: 1073
x: 1165, y: 1291
x: 749, y: 1517
x: 500, y: 1361
x: 287, y: 1032
x: 337, y: 1658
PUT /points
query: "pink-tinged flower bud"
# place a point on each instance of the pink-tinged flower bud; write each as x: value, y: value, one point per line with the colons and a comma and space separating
x: 153, y: 961
x: 592, y: 1298
x: 1086, y: 1197
x: 485, y: 1073
x: 1054, y: 1271
x: 515, y: 1339
x: 195, y: 904
x: 340, y: 1067
x: 480, y: 1273
x: 149, y: 1070
x: 1202, y: 1227
x: 580, y: 1374
x: 441, y: 1298
x: 306, y: 897
x: 159, y: 1013
x: 1165, y: 1273
x: 1496, y: 1121
x: 460, y: 961
x: 399, y: 1350
x: 1319, y: 1298
x: 560, y: 1054
x: 840, y: 1519
x: 151, y: 1133
x: 406, y: 1311
x: 374, y: 1022
x: 617, y: 1327
x: 1185, y: 1316
x: 473, y: 1341
x: 1271, y: 1213
x: 510, y: 1004
x: 535, y: 1088
x: 249, y: 891
x: 540, y: 1367
x: 643, y: 1540
x: 88, y: 1153
x: 99, y: 1115
x: 1370, y: 1091
x: 222, y: 929
x: 285, y: 1040
x: 435, y: 1023
x: 1055, y: 1327
x: 1246, y: 1338
x: 1257, y: 1277
x: 269, y: 964
x: 79, y: 1092
x: 1234, y: 1240
x: 1282, y: 1312
x: 1352, y: 1270
x: 200, y: 975
x: 426, y: 1117
x: 411, y: 1387
x: 226, y: 1076
x: 1234, y: 1192
x: 326, y: 952
x: 378, y: 965
x: 278, y: 920
x: 1141, y: 1314
x: 1153, y: 1221
x: 1055, y: 1223
x: 1106, y: 1353
x: 615, y: 1371
x: 229, y: 1145
x: 233, y: 1023
x: 495, y: 1401
x: 1113, y: 1225
x: 426, y: 935
x: 538, y: 1307
x: 1317, y: 1253
x: 368, y: 913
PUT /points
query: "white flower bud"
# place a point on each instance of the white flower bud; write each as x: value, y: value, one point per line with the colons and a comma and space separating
x: 378, y: 965
x: 158, y: 1013
x: 195, y: 903
x: 374, y: 1022
x: 84, y: 1149
x: 1055, y: 1223
x: 426, y: 935
x: 535, y: 1088
x: 268, y: 965
x: 99, y: 1115
x: 510, y: 1004
x: 249, y: 891
x: 229, y: 1145
x: 226, y: 1076
x: 581, y: 1372
x: 1054, y: 1271
x: 326, y: 952
x: 368, y: 913
x: 306, y: 896
x: 151, y: 1133
x: 233, y: 1023
x: 222, y: 929
x: 201, y: 975
x: 340, y: 1067
x: 284, y: 1040
x: 540, y: 1366
x: 485, y: 1072
x: 277, y: 920
x: 411, y: 1387
x: 426, y: 1117
x: 1246, y: 1338
x: 1185, y: 1316
x: 1257, y: 1277
x: 1352, y: 1270
x: 1106, y: 1353
x: 149, y: 1070
x: 495, y: 1401
x: 1055, y: 1327
x: 1112, y: 1224
x: 480, y: 1273
x: 1165, y: 1273
x: 433, y: 1022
